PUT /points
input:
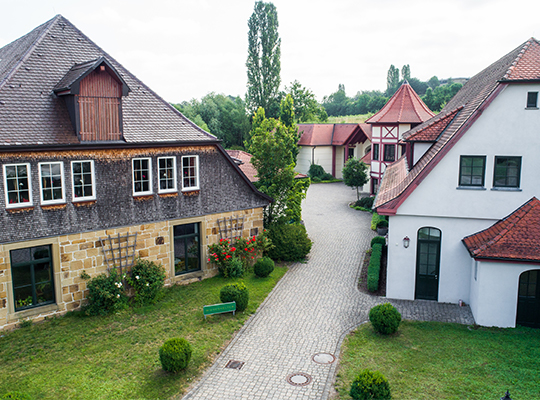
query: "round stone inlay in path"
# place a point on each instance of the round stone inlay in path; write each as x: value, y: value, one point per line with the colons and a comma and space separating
x: 324, y: 358
x: 299, y: 379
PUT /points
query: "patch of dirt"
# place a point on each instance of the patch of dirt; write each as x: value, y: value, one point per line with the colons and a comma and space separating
x: 362, y: 282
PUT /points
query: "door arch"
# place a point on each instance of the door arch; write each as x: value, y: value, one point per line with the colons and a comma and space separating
x: 528, y: 307
x: 428, y: 258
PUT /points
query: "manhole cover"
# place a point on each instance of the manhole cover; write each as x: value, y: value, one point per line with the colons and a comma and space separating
x: 233, y: 364
x: 299, y: 379
x: 324, y: 358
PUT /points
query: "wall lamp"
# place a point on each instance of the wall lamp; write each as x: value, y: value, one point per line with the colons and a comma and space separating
x: 406, y: 241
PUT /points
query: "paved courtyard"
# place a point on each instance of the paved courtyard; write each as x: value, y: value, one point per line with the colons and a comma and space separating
x: 310, y: 311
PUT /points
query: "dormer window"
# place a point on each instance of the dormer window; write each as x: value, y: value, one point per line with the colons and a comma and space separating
x: 532, y: 100
x: 93, y: 93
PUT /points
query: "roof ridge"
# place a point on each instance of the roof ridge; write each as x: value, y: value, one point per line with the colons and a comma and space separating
x: 433, y: 121
x: 524, y: 48
x: 30, y: 48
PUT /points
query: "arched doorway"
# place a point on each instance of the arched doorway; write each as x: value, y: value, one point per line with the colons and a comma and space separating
x: 528, y: 308
x: 428, y: 257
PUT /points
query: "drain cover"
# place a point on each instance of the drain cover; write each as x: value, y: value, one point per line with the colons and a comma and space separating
x: 324, y: 358
x: 299, y: 379
x: 233, y: 364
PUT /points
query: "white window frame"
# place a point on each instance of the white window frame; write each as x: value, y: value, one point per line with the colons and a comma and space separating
x: 149, y: 191
x: 83, y: 198
x: 197, y: 186
x: 56, y: 201
x: 174, y: 179
x: 30, y: 203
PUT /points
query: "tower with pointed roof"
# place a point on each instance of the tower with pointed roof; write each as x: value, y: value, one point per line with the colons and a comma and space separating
x: 402, y: 112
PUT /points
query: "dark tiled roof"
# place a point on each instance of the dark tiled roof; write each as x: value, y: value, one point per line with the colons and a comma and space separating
x: 431, y: 130
x: 31, y: 115
x: 403, y: 107
x: 514, y: 238
x: 475, y: 95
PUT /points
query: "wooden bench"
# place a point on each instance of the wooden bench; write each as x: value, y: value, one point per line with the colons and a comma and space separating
x: 219, y: 308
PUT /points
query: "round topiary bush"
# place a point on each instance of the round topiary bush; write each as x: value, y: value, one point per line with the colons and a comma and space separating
x: 15, y: 396
x: 385, y: 318
x: 370, y: 385
x: 291, y: 242
x: 235, y: 292
x: 378, y: 240
x: 263, y: 267
x: 175, y: 354
x: 316, y: 171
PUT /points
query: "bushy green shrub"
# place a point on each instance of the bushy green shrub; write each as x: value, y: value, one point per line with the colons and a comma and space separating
x: 175, y: 354
x: 106, y: 294
x: 233, y: 268
x: 374, y: 268
x: 370, y: 385
x: 316, y: 171
x: 382, y: 224
x: 365, y: 202
x: 327, y: 177
x: 375, y: 220
x: 316, y: 179
x: 378, y: 240
x: 235, y: 292
x: 385, y: 318
x: 15, y: 396
x: 291, y: 242
x: 263, y: 267
x: 147, y: 279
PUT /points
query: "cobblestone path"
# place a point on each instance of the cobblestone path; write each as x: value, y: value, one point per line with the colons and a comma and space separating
x: 310, y: 311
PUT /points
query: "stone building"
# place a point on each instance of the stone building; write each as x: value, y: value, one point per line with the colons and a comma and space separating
x: 97, y: 169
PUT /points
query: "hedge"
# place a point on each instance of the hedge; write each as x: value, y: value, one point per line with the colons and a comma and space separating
x: 378, y: 240
x: 374, y: 268
x: 375, y: 219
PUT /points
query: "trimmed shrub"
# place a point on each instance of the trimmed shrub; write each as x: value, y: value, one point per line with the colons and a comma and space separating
x: 235, y: 292
x: 316, y: 171
x: 370, y: 385
x: 106, y: 294
x: 15, y: 396
x: 233, y: 268
x: 374, y: 268
x: 365, y: 202
x: 147, y: 279
x: 378, y: 240
x: 291, y: 242
x: 327, y: 177
x: 316, y: 179
x: 382, y: 224
x: 375, y: 220
x: 175, y: 354
x: 263, y: 267
x: 385, y: 318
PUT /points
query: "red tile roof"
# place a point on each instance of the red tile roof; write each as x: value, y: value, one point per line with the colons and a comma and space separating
x: 403, y: 107
x: 527, y: 63
x: 473, y: 97
x: 244, y: 163
x: 514, y: 238
x: 431, y: 130
x: 367, y: 158
x: 332, y: 134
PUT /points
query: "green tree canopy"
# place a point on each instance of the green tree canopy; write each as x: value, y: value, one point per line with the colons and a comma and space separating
x: 355, y: 174
x: 392, y: 80
x: 306, y: 108
x: 263, y: 62
x: 406, y: 72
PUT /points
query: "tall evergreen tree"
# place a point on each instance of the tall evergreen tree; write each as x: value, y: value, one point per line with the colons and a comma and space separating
x: 406, y: 72
x: 263, y: 62
x: 392, y: 80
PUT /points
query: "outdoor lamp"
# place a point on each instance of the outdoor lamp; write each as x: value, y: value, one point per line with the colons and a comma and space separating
x: 406, y: 241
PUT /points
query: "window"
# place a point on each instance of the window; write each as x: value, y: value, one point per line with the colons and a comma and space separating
x: 82, y: 174
x: 190, y: 172
x: 532, y: 100
x: 18, y: 186
x: 350, y: 153
x: 142, y: 176
x: 375, y: 151
x: 187, y: 249
x: 389, y: 152
x: 167, y: 174
x: 507, y: 172
x: 472, y: 171
x: 51, y: 182
x: 32, y: 274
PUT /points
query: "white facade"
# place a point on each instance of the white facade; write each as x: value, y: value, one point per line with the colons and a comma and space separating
x: 320, y: 155
x: 505, y: 128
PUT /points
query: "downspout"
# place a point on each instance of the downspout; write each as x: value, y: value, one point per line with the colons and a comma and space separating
x: 333, y: 152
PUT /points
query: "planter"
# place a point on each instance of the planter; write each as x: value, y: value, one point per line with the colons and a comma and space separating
x: 382, y: 231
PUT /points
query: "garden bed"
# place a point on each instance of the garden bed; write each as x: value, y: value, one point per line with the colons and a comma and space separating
x: 362, y: 282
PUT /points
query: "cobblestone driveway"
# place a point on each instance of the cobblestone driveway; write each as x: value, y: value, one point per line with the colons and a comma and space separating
x: 310, y: 311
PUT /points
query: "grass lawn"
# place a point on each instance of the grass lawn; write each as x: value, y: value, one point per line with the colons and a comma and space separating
x: 431, y: 360
x: 349, y: 119
x: 116, y: 357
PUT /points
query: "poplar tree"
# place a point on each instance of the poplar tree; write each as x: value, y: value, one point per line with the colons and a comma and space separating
x: 263, y: 62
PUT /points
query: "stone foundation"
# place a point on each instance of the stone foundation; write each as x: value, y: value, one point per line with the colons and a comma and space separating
x: 74, y: 253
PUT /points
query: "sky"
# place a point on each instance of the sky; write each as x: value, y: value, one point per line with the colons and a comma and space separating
x: 185, y: 49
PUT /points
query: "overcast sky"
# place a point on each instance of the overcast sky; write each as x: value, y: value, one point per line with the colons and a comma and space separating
x: 184, y: 49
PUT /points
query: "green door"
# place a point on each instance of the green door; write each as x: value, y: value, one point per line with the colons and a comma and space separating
x: 428, y: 258
x: 528, y: 309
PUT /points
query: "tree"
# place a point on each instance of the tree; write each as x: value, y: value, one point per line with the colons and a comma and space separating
x: 354, y: 174
x: 406, y: 72
x: 337, y: 103
x: 263, y: 62
x: 306, y: 108
x: 392, y: 80
x: 433, y: 82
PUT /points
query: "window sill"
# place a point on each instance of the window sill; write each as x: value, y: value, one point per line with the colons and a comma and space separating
x: 31, y: 312
x: 53, y: 206
x: 84, y: 203
x: 168, y: 194
x: 506, y: 189
x: 471, y: 188
x: 143, y: 197
x: 15, y: 210
x: 531, y: 108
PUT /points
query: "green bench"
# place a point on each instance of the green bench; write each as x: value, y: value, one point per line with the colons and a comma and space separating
x: 219, y: 308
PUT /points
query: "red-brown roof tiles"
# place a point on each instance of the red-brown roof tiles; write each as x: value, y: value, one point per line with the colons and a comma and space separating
x: 431, y: 131
x: 331, y: 134
x: 514, y: 238
x: 244, y: 163
x: 527, y: 64
x: 403, y: 107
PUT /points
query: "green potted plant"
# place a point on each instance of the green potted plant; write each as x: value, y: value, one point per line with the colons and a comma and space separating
x: 382, y: 227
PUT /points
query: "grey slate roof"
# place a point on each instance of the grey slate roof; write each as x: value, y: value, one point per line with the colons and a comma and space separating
x: 31, y: 115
